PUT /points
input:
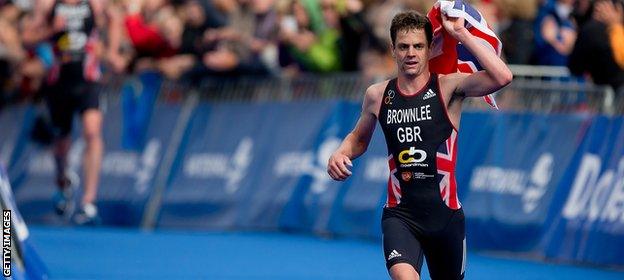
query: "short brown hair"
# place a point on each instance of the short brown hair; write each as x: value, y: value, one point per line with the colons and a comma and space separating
x: 410, y: 20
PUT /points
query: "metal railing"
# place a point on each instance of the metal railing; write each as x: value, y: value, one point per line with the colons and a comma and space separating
x: 540, y: 89
x: 349, y: 86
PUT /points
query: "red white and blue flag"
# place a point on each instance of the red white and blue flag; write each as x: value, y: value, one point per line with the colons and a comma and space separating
x: 446, y: 159
x: 447, y: 54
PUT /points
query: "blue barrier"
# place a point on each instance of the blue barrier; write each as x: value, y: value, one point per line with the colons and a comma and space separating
x: 138, y: 96
x: 548, y: 185
x: 126, y: 175
x: 508, y: 168
x: 589, y: 225
x: 12, y: 120
x: 224, y: 174
x: 25, y: 262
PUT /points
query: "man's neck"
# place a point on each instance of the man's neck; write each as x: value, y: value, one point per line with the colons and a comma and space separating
x: 411, y: 84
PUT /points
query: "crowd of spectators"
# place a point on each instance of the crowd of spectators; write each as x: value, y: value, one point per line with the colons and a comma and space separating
x: 189, y: 40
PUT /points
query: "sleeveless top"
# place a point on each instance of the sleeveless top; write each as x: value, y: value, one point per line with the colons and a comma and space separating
x: 422, y: 148
x: 73, y: 44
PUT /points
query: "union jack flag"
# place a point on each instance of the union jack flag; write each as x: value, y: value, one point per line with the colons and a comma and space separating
x: 447, y: 54
x: 446, y: 157
x: 394, y: 188
x: 91, y: 67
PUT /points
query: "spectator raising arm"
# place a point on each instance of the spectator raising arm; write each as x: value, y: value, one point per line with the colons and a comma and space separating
x: 613, y: 16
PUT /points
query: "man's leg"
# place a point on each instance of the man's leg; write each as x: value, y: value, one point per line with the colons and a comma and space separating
x: 61, y: 149
x: 60, y: 106
x: 446, y: 252
x: 403, y: 271
x: 91, y: 116
x: 64, y: 197
x: 402, y: 251
x: 92, y: 158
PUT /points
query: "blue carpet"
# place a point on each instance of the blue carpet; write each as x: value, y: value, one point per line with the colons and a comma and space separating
x: 105, y: 253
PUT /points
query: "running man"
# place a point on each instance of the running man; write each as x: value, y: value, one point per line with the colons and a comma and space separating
x: 419, y: 113
x: 70, y: 26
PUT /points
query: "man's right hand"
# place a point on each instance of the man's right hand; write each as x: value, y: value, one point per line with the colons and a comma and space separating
x: 337, y: 166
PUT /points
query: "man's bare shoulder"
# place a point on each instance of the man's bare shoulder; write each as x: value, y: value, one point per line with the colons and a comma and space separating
x: 375, y: 91
x: 372, y: 99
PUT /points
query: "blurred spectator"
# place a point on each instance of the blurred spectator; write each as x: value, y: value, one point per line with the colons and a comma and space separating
x: 240, y: 45
x: 516, y: 29
x: 555, y: 33
x: 612, y: 15
x: 23, y: 60
x: 197, y: 17
x: 422, y: 6
x: 489, y: 9
x: 581, y: 12
x: 189, y: 40
x: 146, y: 22
x: 347, y: 16
x: 306, y: 42
x: 219, y: 56
x: 38, y: 61
x: 593, y: 53
x: 225, y: 38
x: 265, y: 39
x: 379, y: 62
x: 11, y: 52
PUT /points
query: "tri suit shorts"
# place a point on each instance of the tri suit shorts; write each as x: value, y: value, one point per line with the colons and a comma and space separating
x: 405, y: 240
x: 66, y: 97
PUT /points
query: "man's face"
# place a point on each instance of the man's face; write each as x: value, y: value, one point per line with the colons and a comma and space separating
x: 411, y: 52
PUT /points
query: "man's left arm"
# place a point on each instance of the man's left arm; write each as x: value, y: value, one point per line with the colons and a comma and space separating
x: 496, y: 74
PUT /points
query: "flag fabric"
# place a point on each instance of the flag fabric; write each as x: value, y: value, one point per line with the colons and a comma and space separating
x: 447, y: 54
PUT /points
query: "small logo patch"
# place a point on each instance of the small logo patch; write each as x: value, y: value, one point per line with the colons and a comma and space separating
x: 393, y: 255
x: 429, y: 94
x: 406, y: 176
x: 388, y: 99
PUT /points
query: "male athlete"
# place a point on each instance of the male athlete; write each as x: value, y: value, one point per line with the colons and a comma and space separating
x: 70, y: 26
x: 419, y: 113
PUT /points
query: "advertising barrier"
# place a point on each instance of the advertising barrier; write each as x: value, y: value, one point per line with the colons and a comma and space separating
x: 550, y: 185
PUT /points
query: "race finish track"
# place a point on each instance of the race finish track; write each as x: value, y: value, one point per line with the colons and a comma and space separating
x: 107, y: 253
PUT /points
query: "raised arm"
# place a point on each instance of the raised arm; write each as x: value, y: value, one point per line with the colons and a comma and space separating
x: 356, y: 142
x: 496, y: 74
x: 612, y: 15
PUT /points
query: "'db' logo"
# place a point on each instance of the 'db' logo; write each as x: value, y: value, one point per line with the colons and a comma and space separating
x: 407, y: 156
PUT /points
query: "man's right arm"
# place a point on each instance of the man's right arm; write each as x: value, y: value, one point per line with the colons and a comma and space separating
x: 356, y: 142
